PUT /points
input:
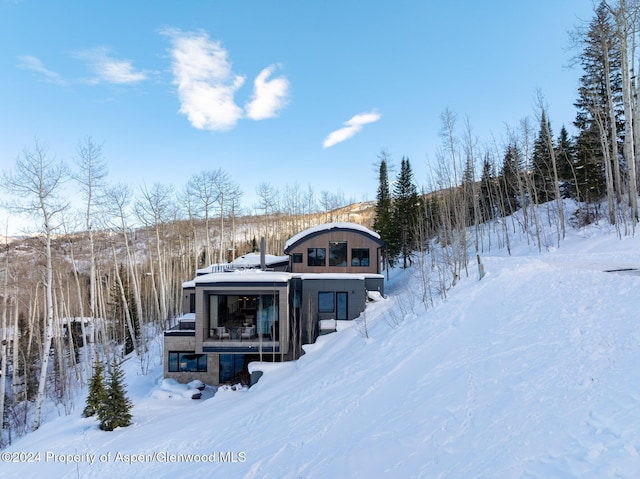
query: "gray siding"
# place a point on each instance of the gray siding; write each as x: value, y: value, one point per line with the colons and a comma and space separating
x: 356, y: 296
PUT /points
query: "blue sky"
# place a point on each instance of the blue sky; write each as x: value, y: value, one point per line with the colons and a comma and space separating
x: 276, y: 91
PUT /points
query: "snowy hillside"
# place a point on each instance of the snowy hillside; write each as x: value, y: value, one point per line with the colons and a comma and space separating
x: 532, y: 372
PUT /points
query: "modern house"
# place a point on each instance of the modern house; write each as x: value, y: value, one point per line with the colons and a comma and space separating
x: 263, y: 307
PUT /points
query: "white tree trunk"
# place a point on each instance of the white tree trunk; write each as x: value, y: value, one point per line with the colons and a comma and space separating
x: 48, y: 327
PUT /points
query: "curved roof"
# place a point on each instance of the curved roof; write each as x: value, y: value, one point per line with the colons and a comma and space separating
x: 339, y: 226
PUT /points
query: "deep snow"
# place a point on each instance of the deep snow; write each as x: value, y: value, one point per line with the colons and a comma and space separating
x: 531, y: 372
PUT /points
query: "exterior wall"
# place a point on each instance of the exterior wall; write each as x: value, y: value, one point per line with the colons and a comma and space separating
x: 186, y: 299
x: 356, y: 296
x: 374, y: 283
x: 202, y: 309
x: 309, y: 316
x: 187, y: 344
x: 354, y: 239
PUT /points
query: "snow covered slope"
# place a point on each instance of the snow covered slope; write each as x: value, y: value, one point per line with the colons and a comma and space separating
x: 530, y: 373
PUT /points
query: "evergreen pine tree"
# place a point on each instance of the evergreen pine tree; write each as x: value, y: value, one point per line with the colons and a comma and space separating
x: 542, y: 170
x: 487, y: 194
x: 600, y: 61
x: 565, y: 153
x: 97, y: 392
x: 469, y: 191
x: 383, y: 221
x: 115, y: 410
x: 406, y: 209
x: 511, y: 168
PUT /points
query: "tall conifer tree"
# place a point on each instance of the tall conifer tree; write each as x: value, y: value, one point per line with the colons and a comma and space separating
x: 383, y: 222
x: 406, y: 210
x: 599, y: 100
x: 543, y: 182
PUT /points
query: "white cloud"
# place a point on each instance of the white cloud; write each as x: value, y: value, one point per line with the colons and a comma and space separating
x: 206, y: 83
x: 353, y: 126
x: 109, y: 69
x: 34, y: 64
x: 268, y: 97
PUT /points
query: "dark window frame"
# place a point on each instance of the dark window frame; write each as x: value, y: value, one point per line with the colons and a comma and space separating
x: 192, y: 302
x: 297, y: 258
x: 176, y: 358
x: 338, y: 253
x: 313, y: 259
x: 322, y: 307
x: 358, y: 258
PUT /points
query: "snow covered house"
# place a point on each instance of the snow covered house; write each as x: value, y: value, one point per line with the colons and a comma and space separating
x: 263, y: 308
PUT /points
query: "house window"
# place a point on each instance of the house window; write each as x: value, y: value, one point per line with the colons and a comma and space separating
x: 316, y: 256
x: 337, y: 253
x: 192, y: 303
x: 360, y: 257
x: 187, y: 362
x: 326, y: 302
x: 297, y: 257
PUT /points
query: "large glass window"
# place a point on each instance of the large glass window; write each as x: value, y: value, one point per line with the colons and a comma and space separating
x: 360, y: 257
x: 316, y: 256
x: 337, y: 253
x: 235, y: 311
x: 187, y: 362
x: 231, y: 366
x: 326, y: 302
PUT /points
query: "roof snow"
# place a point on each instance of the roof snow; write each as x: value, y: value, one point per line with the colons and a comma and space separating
x: 242, y: 276
x: 249, y: 260
x: 328, y: 226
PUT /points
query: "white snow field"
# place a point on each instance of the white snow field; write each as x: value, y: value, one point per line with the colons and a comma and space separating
x: 532, y: 372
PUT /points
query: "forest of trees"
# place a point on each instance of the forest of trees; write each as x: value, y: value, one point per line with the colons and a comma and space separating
x: 533, y: 172
x: 108, y: 275
x: 95, y: 283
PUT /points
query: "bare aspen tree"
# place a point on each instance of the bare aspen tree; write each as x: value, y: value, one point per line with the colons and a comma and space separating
x: 604, y: 143
x: 119, y: 197
x: 212, y: 190
x: 560, y: 226
x: 616, y: 188
x: 189, y: 207
x: 125, y: 303
x: 90, y: 175
x: 203, y: 194
x: 625, y: 13
x: 36, y: 182
x: 4, y: 340
x: 267, y: 202
x: 309, y: 205
x: 155, y: 208
x: 234, y: 195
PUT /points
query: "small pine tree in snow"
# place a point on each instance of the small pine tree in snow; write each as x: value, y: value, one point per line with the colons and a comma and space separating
x: 97, y: 391
x: 115, y: 410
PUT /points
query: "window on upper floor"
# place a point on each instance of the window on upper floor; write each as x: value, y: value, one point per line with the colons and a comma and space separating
x: 337, y: 253
x: 360, y: 257
x: 316, y: 256
x: 297, y: 257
